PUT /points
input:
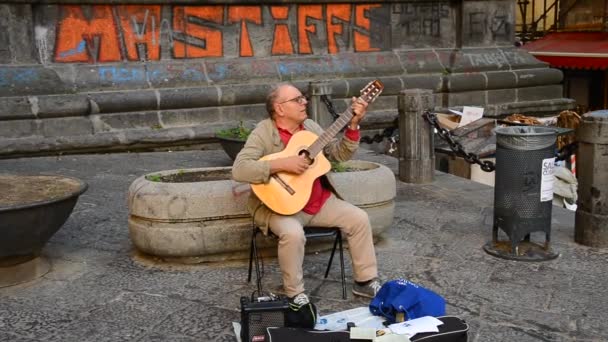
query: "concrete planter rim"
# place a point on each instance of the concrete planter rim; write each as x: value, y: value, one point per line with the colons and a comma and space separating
x: 82, y: 187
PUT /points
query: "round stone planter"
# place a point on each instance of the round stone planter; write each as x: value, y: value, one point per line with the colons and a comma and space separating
x: 32, y: 209
x: 198, y: 215
x: 231, y: 146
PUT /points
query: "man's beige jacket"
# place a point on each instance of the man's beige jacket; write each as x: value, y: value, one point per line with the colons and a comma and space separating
x: 264, y: 140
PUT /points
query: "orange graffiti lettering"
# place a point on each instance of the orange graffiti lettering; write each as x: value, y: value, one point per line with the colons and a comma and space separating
x: 243, y: 14
x: 305, y: 12
x: 362, y: 41
x: 281, y: 43
x: 139, y: 27
x: 81, y: 39
x: 335, y: 14
x: 195, y: 35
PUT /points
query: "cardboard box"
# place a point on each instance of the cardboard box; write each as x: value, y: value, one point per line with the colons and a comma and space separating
x: 448, y: 121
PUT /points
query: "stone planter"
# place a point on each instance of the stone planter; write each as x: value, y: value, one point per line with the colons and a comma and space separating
x: 32, y: 209
x: 231, y: 146
x: 198, y: 215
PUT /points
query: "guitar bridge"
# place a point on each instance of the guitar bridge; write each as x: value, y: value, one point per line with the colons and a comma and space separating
x: 285, y: 186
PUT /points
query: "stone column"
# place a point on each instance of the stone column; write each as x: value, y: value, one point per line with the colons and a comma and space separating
x: 591, y: 223
x: 416, y: 150
x: 316, y: 108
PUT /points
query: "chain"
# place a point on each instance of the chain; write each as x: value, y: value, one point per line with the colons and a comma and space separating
x: 393, y: 136
x: 456, y: 146
x: 330, y: 106
x: 386, y: 133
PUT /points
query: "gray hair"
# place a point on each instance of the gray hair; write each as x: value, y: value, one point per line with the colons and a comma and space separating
x: 273, y: 95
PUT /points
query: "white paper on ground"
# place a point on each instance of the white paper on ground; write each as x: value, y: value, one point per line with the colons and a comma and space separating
x: 392, y: 338
x: 357, y: 333
x: 470, y: 114
x: 237, y: 330
x: 361, y: 316
x: 418, y: 325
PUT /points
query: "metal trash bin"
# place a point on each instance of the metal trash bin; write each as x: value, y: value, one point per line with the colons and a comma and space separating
x: 523, y: 191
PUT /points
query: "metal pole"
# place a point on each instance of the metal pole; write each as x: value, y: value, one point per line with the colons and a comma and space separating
x: 416, y: 151
x: 591, y: 222
x: 317, y: 109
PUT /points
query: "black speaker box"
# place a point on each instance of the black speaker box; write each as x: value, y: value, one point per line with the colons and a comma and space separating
x: 257, y: 315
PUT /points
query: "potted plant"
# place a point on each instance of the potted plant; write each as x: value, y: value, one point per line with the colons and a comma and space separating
x: 233, y: 139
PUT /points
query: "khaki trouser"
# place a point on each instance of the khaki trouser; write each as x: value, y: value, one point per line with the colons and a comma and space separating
x: 354, y: 225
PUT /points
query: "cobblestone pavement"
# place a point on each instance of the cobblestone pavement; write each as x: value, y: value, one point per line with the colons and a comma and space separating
x: 98, y: 291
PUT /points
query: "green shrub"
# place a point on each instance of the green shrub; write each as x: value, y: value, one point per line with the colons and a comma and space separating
x: 240, y: 132
x: 154, y: 178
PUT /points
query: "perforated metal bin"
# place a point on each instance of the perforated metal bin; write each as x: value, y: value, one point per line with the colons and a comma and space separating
x: 523, y: 190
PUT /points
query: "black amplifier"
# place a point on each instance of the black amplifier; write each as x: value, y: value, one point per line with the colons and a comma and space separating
x: 259, y: 314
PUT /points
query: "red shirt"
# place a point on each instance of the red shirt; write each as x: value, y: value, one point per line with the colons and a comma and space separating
x: 319, y: 194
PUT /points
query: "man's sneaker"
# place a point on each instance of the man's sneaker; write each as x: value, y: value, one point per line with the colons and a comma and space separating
x: 368, y: 290
x: 300, y: 299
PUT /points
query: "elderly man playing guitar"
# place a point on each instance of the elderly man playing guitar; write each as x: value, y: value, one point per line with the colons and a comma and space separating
x: 291, y: 190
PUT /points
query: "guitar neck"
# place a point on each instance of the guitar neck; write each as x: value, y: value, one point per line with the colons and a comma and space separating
x: 330, y: 133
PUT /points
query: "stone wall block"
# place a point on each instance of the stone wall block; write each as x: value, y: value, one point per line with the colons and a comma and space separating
x: 355, y: 65
x: 21, y: 32
x: 469, y: 98
x: 176, y: 73
x: 501, y: 79
x: 539, y: 93
x: 433, y: 82
x: 239, y: 70
x: 254, y: 112
x: 61, y: 105
x: 501, y: 96
x: 124, y: 101
x: 240, y: 94
x: 5, y: 52
x: 18, y: 129
x: 15, y: 108
x: 192, y: 117
x: 177, y: 98
x: 29, y: 80
x: 488, y: 23
x: 493, y: 59
x: 418, y: 62
x: 110, y: 77
x: 59, y: 127
x: 126, y: 121
x: 540, y: 107
x: 466, y: 82
x: 538, y: 77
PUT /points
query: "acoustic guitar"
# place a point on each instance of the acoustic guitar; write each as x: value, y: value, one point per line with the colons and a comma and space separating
x: 287, y: 193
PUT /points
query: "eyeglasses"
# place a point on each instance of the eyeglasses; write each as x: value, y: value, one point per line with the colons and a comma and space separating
x: 302, y: 99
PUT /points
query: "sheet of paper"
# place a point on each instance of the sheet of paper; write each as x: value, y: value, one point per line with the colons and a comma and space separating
x: 237, y: 330
x: 361, y: 316
x: 415, y: 326
x: 392, y: 338
x: 357, y: 333
x: 470, y: 114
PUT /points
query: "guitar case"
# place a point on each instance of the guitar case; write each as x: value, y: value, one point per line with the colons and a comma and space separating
x: 453, y: 329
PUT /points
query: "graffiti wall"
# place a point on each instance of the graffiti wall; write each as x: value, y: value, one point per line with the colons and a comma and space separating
x: 120, y: 75
x: 113, y: 33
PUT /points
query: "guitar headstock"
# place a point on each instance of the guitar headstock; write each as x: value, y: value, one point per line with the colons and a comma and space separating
x: 371, y: 91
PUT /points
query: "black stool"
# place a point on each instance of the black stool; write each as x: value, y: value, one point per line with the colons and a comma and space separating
x: 309, y: 233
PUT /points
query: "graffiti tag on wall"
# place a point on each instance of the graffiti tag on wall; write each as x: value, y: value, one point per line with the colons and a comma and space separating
x: 108, y: 33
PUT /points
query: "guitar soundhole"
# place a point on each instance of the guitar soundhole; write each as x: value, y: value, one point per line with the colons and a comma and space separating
x: 306, y: 155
